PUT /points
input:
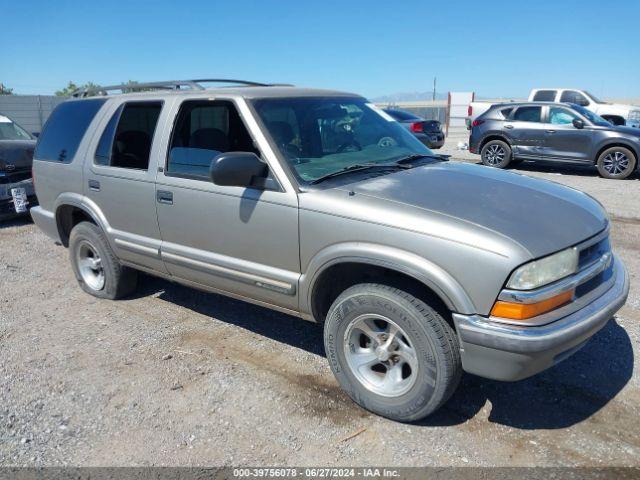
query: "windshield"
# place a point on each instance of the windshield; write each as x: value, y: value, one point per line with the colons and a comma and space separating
x: 593, y: 97
x: 12, y: 131
x: 592, y: 117
x: 320, y: 136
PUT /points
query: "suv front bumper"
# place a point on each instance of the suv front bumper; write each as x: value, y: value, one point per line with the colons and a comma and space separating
x: 509, y: 352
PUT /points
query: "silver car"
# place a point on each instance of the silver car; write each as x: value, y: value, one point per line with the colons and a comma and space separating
x: 317, y: 204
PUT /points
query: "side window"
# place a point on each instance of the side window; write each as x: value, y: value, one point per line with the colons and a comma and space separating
x: 103, y: 152
x: 126, y: 140
x: 203, y: 130
x: 571, y: 96
x: 527, y: 114
x: 505, y: 112
x: 65, y: 128
x: 561, y: 116
x: 545, y: 96
x: 282, y: 123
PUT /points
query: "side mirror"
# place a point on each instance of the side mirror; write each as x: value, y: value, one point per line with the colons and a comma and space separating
x: 579, y: 124
x: 35, y: 134
x: 237, y: 169
x: 583, y: 103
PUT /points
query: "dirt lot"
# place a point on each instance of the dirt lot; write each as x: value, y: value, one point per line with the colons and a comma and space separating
x: 173, y: 376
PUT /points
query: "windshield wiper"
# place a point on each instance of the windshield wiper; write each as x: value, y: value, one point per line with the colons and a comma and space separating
x: 358, y: 167
x: 418, y: 156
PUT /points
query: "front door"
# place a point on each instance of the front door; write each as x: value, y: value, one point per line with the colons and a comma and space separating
x: 120, y: 180
x: 525, y: 131
x: 241, y: 241
x: 563, y: 141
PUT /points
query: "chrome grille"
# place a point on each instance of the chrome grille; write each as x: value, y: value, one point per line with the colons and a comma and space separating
x: 593, y: 253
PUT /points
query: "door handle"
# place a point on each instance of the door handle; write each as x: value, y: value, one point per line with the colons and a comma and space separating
x: 94, y: 185
x: 551, y: 131
x: 165, y: 197
x: 508, y: 126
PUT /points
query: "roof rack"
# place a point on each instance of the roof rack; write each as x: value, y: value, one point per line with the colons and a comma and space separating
x: 166, y: 85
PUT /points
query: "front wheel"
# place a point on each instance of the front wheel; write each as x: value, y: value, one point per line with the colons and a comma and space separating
x: 616, y: 163
x: 392, y: 353
x: 496, y: 153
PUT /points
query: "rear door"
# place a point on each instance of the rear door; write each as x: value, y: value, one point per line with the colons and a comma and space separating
x: 119, y: 179
x: 525, y: 131
x: 563, y: 141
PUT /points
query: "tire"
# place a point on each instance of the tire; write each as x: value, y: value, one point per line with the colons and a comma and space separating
x: 415, y: 386
x: 496, y: 153
x: 616, y: 163
x: 97, y: 270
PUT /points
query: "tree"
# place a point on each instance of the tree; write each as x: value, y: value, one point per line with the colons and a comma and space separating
x: 72, y: 87
x: 4, y: 90
x: 133, y: 83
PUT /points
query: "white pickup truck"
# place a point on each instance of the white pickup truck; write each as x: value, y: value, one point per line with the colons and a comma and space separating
x: 615, y: 113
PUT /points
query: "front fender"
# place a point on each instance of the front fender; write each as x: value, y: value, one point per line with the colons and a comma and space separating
x: 611, y: 141
x: 430, y: 274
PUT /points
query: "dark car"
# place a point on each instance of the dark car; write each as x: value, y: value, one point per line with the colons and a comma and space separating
x: 428, y: 132
x: 554, y: 132
x: 16, y: 158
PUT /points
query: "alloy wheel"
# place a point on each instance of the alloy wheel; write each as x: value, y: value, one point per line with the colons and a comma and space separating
x: 615, y: 163
x: 494, y: 155
x: 380, y: 355
x: 90, y: 266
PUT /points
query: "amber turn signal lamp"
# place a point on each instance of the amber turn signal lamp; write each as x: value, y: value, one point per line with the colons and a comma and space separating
x: 522, y: 311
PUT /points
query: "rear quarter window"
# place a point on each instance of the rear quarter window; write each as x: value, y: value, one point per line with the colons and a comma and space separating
x: 65, y: 129
x: 544, y: 96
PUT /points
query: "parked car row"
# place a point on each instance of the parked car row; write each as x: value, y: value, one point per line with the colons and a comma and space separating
x: 614, y: 113
x: 16, y: 157
x: 318, y: 204
x: 554, y: 132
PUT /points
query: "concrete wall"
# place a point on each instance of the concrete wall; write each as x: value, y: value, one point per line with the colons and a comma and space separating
x: 29, y: 111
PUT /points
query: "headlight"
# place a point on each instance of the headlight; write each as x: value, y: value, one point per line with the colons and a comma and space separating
x: 544, y: 271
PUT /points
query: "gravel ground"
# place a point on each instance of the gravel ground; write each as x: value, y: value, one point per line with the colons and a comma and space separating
x: 172, y: 376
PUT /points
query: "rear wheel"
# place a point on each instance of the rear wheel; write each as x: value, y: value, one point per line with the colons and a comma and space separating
x: 496, y: 153
x: 616, y: 163
x: 95, y: 266
x: 393, y: 354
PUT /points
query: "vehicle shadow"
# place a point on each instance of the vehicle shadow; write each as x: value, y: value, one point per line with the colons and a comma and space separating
x: 562, y: 396
x: 16, y: 221
x: 263, y: 321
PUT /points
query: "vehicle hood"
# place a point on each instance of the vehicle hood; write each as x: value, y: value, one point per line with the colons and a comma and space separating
x: 16, y: 154
x: 612, y: 108
x: 629, y: 131
x: 541, y: 216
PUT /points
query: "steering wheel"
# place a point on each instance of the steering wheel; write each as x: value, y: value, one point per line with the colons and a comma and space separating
x: 387, y: 142
x: 350, y: 143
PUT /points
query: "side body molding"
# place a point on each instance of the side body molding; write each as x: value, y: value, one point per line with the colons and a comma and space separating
x: 433, y: 276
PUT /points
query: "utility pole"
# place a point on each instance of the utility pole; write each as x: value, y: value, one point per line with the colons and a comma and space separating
x: 434, y: 89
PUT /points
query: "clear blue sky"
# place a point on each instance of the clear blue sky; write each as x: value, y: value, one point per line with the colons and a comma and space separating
x: 370, y: 47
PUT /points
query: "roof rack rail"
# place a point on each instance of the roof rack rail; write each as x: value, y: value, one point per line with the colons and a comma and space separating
x: 166, y: 85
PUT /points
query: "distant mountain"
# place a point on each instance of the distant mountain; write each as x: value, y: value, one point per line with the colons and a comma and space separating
x: 408, y: 97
